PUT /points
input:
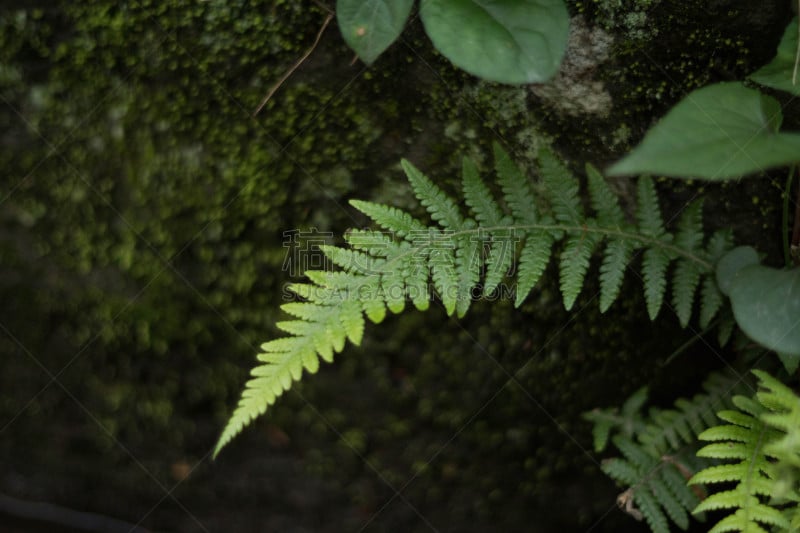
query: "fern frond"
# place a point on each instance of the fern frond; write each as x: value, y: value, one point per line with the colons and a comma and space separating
x: 655, y: 486
x: 658, y: 450
x: 746, y: 439
x: 670, y: 429
x: 379, y: 272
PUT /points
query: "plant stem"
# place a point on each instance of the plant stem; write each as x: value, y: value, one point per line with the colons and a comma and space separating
x: 683, y: 347
x: 296, y: 64
x: 796, y: 228
x: 787, y: 193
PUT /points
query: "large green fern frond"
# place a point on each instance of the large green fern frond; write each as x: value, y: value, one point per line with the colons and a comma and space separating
x: 380, y: 272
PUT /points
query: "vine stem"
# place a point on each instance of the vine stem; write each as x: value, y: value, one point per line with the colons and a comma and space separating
x: 683, y: 347
x: 787, y: 193
x: 797, y: 52
x: 796, y: 228
x: 295, y: 66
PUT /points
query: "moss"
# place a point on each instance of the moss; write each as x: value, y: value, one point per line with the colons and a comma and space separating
x: 660, y: 52
x: 158, y: 217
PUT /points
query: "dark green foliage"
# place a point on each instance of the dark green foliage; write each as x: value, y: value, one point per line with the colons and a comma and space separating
x: 626, y: 421
x: 658, y: 451
x: 758, y: 449
x: 657, y: 485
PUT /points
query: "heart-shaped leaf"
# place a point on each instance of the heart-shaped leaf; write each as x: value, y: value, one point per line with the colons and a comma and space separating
x: 508, y: 41
x: 790, y: 361
x: 370, y: 26
x: 766, y: 305
x: 779, y: 72
x: 718, y: 132
x: 731, y: 263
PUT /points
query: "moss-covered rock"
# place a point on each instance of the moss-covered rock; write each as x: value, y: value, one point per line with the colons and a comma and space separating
x: 142, y: 233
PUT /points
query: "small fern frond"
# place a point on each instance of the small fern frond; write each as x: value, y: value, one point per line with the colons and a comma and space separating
x: 658, y: 451
x: 379, y: 272
x: 657, y: 487
x: 747, y: 442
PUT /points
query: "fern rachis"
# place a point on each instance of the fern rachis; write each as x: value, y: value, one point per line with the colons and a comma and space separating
x: 381, y: 271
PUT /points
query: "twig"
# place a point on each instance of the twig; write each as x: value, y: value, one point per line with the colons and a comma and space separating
x: 294, y: 67
x: 796, y: 227
x: 787, y: 192
x: 323, y: 6
x: 54, y: 514
x: 797, y: 52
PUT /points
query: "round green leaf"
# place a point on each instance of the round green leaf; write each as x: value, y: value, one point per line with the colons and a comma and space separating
x: 766, y: 305
x: 508, y: 41
x: 370, y: 26
x: 731, y: 263
x: 779, y: 72
x: 718, y: 132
